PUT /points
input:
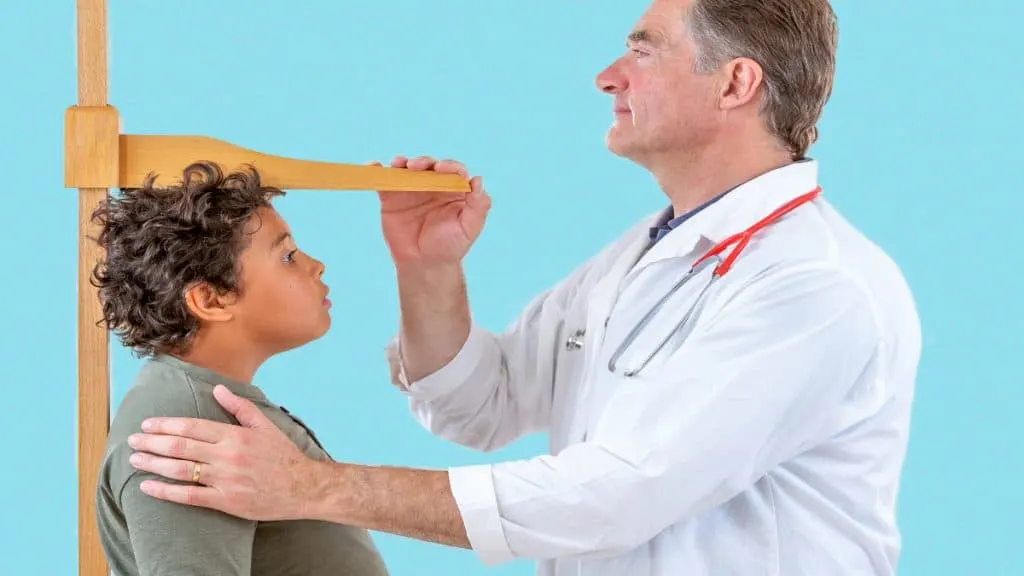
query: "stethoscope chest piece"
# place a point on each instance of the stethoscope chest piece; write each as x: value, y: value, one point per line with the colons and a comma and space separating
x: 575, y: 340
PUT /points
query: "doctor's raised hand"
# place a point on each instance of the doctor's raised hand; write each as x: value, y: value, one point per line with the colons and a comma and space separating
x: 432, y: 229
x: 428, y: 235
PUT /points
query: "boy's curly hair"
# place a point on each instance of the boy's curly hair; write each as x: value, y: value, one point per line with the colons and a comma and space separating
x: 161, y: 241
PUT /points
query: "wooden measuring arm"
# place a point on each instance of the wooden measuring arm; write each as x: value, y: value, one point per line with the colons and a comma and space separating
x: 96, y: 155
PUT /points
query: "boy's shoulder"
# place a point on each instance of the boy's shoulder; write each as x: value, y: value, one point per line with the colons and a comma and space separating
x: 164, y: 389
x: 159, y: 389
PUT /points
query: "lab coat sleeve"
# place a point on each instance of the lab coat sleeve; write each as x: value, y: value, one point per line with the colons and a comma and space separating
x: 499, y: 386
x: 754, y: 385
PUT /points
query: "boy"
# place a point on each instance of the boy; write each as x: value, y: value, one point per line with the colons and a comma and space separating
x: 206, y: 281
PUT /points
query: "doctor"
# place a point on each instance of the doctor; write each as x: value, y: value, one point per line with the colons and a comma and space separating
x: 751, y: 421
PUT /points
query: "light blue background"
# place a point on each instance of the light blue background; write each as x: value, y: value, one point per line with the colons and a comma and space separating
x: 925, y: 126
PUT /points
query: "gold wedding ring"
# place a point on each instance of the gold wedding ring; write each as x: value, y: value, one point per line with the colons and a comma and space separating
x: 195, y: 472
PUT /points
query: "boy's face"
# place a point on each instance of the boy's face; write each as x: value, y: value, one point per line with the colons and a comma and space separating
x: 283, y: 303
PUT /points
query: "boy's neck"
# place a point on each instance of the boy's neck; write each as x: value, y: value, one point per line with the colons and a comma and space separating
x: 226, y: 356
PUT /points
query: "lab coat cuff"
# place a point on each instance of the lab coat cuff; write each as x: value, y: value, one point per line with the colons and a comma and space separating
x: 446, y: 379
x: 473, y: 489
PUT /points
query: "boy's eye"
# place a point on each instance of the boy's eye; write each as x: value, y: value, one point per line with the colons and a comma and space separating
x: 290, y: 256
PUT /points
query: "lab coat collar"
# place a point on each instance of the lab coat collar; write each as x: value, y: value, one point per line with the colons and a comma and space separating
x: 757, y: 198
x: 737, y: 210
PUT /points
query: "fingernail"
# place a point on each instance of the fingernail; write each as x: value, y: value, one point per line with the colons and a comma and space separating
x: 147, y: 425
x: 146, y: 486
x: 133, y: 440
x: 135, y: 459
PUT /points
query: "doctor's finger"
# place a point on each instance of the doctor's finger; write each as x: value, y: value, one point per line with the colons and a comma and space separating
x: 194, y: 428
x: 451, y: 167
x: 184, y: 470
x: 421, y: 163
x: 184, y: 494
x: 172, y: 447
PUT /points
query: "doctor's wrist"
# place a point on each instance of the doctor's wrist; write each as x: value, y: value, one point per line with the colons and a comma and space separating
x: 429, y: 272
x: 327, y: 498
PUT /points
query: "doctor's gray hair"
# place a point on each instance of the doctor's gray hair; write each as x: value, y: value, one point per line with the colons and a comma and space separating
x: 794, y: 41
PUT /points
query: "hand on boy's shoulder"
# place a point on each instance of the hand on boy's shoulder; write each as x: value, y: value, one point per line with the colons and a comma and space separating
x: 158, y: 390
x: 161, y: 390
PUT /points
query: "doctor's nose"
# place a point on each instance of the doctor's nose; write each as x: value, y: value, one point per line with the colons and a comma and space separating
x: 611, y: 80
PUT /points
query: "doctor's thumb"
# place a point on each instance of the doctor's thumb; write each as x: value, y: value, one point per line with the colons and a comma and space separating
x: 478, y: 204
x: 245, y: 412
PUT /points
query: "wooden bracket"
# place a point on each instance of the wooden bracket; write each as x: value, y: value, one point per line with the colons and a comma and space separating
x: 97, y: 156
x: 91, y: 147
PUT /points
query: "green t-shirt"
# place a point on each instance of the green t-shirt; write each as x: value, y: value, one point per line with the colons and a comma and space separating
x: 145, y: 536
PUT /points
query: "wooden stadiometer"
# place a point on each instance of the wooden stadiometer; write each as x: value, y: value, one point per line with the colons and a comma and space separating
x: 97, y: 157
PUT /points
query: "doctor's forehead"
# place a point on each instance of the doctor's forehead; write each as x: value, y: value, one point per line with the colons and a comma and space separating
x: 661, y: 24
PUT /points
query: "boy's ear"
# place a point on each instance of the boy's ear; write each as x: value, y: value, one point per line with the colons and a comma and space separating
x: 209, y: 304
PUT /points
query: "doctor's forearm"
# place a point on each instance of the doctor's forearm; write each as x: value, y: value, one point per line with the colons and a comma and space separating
x: 435, y: 317
x: 407, y: 502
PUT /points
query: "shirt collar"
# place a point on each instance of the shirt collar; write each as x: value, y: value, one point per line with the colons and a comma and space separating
x: 666, y: 223
x: 247, y: 391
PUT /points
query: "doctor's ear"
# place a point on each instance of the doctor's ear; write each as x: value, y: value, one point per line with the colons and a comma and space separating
x: 210, y: 304
x: 741, y: 80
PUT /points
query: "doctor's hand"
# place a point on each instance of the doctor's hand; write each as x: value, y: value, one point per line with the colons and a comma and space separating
x: 251, y: 471
x: 432, y: 228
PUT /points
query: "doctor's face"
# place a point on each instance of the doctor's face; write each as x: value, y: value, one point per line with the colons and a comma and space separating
x: 661, y: 106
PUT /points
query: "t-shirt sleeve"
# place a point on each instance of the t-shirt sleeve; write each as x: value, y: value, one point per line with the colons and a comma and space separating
x: 168, y: 538
x: 173, y: 539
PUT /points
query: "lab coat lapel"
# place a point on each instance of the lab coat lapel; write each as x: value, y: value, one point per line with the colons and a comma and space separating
x: 600, y: 302
x: 605, y: 293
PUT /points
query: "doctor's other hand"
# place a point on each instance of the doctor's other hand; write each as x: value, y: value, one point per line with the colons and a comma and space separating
x: 432, y: 228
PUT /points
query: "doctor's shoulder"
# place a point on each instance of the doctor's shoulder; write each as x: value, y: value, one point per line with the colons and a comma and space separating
x: 840, y: 259
x: 818, y: 259
x: 854, y: 254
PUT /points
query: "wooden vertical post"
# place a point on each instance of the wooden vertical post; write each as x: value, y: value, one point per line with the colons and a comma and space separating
x: 93, y: 341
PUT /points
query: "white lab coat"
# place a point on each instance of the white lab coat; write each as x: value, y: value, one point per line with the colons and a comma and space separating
x: 768, y: 440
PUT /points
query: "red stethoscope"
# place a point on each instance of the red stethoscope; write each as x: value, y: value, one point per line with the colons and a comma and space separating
x: 737, y: 242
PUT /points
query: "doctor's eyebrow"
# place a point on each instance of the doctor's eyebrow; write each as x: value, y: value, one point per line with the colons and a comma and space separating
x: 649, y: 37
